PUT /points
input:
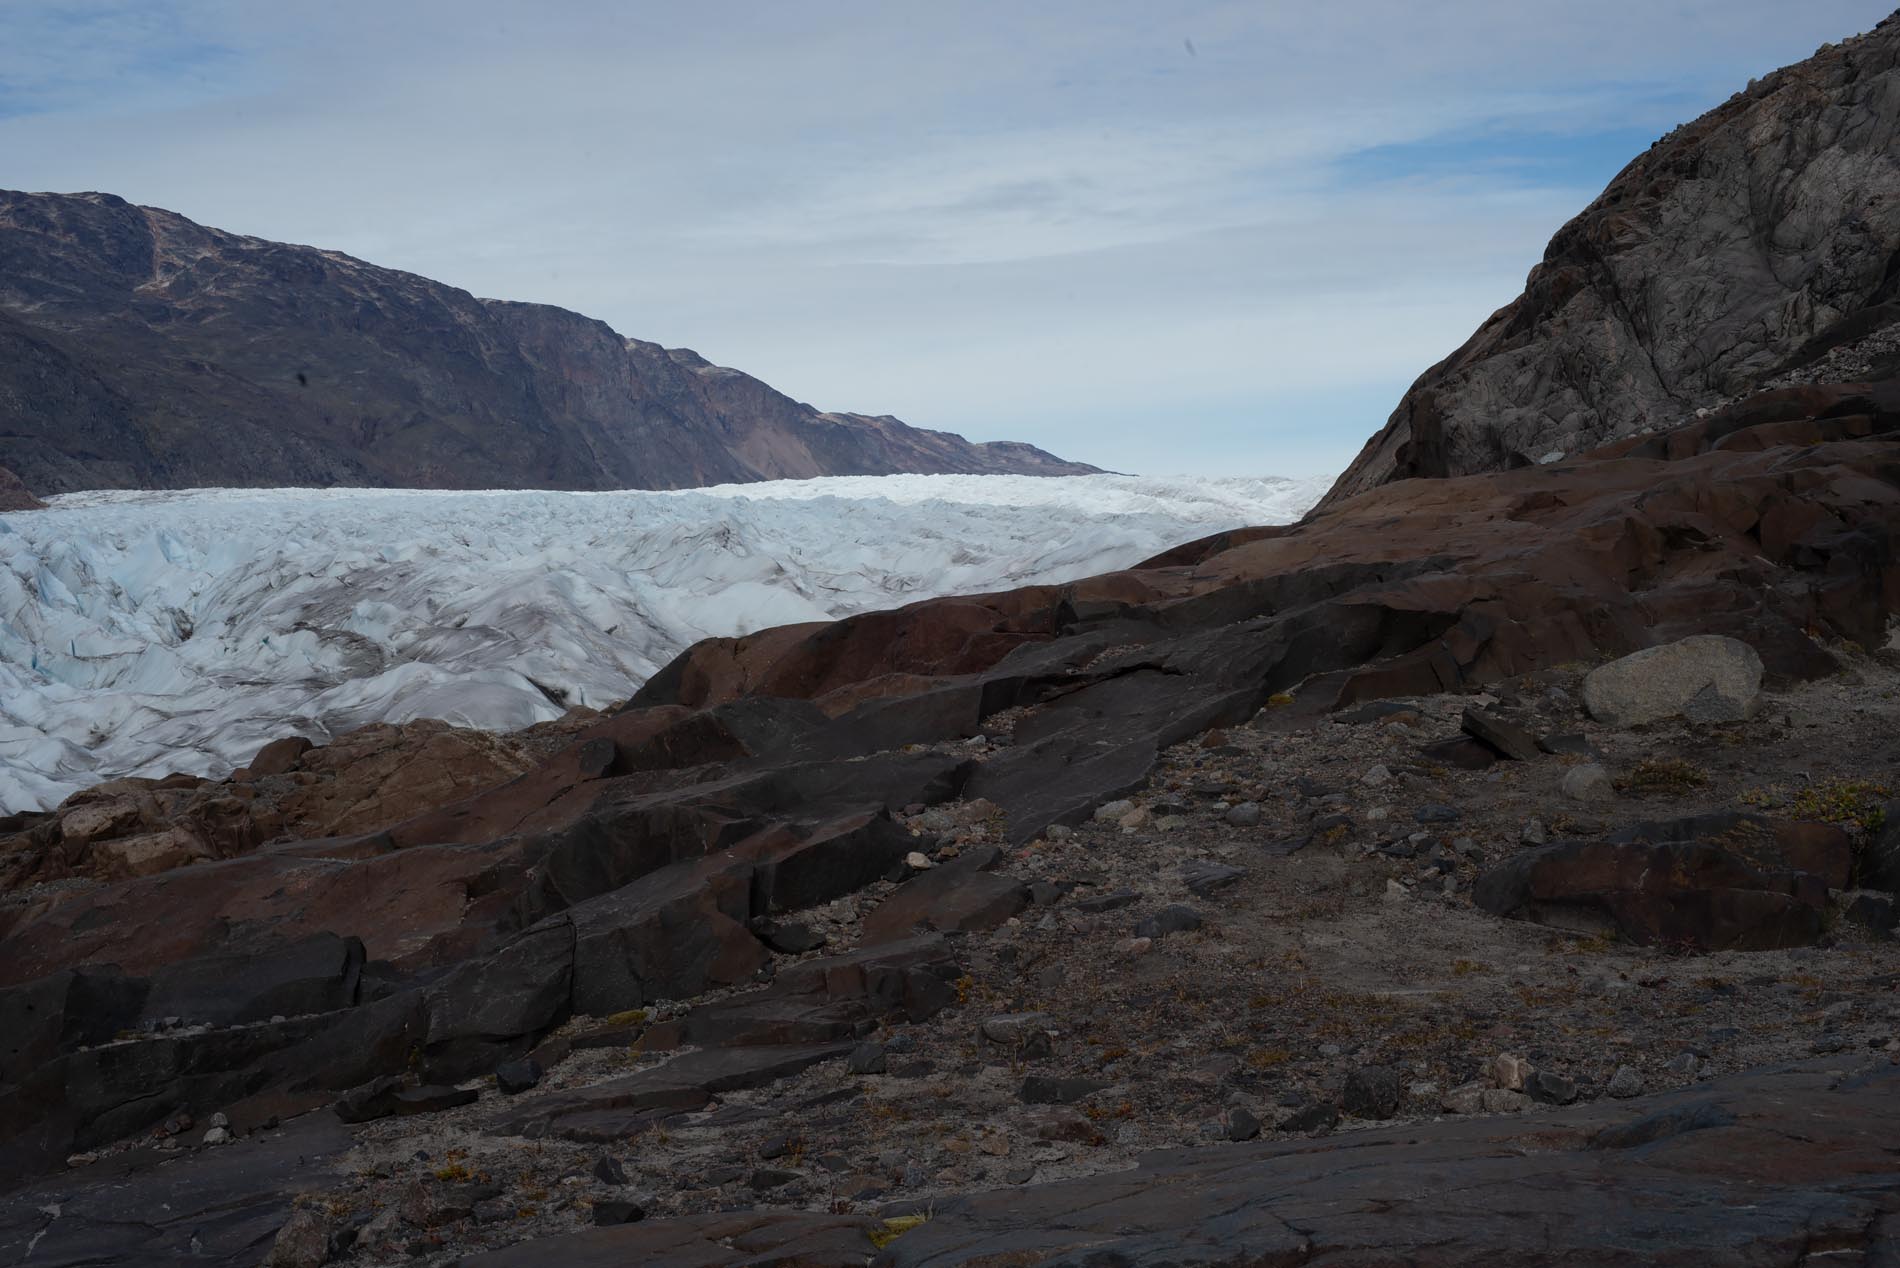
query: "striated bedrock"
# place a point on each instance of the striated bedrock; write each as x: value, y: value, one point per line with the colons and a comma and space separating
x: 1749, y: 242
x: 141, y: 350
x: 316, y: 941
x: 1764, y: 1167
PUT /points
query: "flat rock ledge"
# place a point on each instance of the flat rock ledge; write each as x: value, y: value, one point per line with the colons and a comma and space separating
x: 1773, y: 1166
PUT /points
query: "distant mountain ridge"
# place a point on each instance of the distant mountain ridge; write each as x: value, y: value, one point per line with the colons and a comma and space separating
x: 139, y: 349
x: 1742, y: 247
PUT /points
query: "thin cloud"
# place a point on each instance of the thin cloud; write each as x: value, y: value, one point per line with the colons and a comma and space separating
x: 1046, y: 222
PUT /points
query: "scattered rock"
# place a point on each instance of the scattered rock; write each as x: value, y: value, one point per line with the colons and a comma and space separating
x: 607, y: 1170
x: 515, y: 1077
x: 1371, y: 1092
x: 303, y: 1241
x: 1501, y: 734
x: 1238, y: 1124
x: 1880, y: 861
x: 792, y: 939
x: 1204, y: 876
x: 1246, y: 815
x: 279, y: 757
x: 1467, y: 1098
x: 1589, y: 782
x: 1625, y: 1083
x: 494, y: 1210
x: 1013, y: 1029
x: 1175, y: 918
x: 1318, y: 1117
x: 1509, y: 1071
x: 373, y: 1100
x: 1045, y: 1089
x: 1877, y: 912
x: 1550, y: 1088
x: 614, y: 1211
x: 771, y: 1178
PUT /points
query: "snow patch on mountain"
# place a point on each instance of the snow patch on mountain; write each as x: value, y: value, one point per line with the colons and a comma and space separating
x: 143, y: 633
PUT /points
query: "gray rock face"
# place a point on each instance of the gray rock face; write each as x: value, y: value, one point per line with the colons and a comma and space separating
x: 1704, y: 678
x: 1756, y: 238
x: 141, y: 350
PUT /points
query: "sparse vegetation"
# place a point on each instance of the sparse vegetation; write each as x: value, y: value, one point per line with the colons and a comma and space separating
x: 1856, y: 804
x: 896, y: 1227
x: 1660, y: 776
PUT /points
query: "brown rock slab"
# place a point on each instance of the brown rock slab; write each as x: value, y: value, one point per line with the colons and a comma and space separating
x: 624, y: 1105
x: 1500, y: 733
x: 1720, y: 1174
x: 949, y: 900
x: 718, y: 1240
x: 1679, y: 884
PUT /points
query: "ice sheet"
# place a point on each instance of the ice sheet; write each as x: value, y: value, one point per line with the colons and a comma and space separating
x: 144, y: 633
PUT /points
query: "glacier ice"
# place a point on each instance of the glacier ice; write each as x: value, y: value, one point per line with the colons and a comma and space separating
x: 148, y: 632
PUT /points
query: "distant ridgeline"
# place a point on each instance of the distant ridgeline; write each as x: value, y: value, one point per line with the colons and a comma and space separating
x: 141, y: 350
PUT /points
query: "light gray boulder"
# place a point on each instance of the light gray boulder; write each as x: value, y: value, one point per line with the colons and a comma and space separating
x: 1589, y: 782
x: 1703, y: 678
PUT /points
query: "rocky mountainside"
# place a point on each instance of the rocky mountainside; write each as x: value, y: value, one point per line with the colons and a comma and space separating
x: 141, y: 350
x: 14, y: 495
x: 1742, y: 246
x: 1501, y: 868
x: 916, y: 932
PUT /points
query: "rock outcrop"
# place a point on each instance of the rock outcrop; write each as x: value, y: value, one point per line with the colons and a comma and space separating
x: 1733, y: 1173
x: 649, y: 858
x: 141, y: 350
x: 15, y: 496
x: 1758, y: 239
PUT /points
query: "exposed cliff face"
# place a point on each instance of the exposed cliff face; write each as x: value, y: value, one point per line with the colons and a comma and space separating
x: 138, y: 349
x: 15, y: 496
x: 1752, y: 240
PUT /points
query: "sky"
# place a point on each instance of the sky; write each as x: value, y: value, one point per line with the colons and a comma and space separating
x: 1212, y: 238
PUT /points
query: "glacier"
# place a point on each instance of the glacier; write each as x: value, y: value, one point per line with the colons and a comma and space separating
x: 145, y: 633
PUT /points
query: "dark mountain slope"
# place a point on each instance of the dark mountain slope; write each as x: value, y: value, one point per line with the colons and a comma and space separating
x: 138, y: 349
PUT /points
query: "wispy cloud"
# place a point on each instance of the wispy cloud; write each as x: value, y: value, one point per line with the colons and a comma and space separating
x: 1047, y: 221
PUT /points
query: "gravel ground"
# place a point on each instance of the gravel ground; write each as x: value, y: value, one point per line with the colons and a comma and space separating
x: 1358, y: 950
